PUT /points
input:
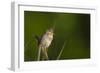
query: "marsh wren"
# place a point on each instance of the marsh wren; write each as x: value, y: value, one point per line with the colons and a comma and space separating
x: 44, y: 42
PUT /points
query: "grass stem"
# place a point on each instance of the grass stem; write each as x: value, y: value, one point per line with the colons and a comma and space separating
x: 39, y: 52
x: 61, y: 51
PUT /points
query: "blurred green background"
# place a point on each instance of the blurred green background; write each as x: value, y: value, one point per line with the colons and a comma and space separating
x: 74, y: 28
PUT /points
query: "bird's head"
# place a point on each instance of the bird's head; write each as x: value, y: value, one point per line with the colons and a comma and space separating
x: 50, y: 31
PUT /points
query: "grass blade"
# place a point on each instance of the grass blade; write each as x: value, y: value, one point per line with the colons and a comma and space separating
x: 39, y: 52
x: 61, y: 51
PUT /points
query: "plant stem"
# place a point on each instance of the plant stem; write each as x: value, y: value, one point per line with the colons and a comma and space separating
x: 39, y: 52
x: 61, y: 51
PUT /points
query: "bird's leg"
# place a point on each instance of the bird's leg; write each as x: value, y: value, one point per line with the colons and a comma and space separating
x: 44, y: 53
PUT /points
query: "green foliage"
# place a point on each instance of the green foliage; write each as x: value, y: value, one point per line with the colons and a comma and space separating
x: 71, y: 39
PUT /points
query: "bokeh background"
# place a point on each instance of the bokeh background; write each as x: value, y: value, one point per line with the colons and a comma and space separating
x: 74, y: 28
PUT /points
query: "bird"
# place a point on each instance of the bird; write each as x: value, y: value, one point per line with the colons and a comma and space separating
x: 44, y: 42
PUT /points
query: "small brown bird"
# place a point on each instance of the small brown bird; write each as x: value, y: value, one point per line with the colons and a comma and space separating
x: 44, y: 43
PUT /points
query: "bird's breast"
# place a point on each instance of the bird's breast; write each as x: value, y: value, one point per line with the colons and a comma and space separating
x: 49, y: 40
x: 46, y: 40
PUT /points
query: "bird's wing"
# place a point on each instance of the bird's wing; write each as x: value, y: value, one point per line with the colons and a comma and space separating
x: 37, y: 38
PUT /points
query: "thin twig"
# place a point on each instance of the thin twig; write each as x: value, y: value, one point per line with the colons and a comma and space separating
x: 61, y: 51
